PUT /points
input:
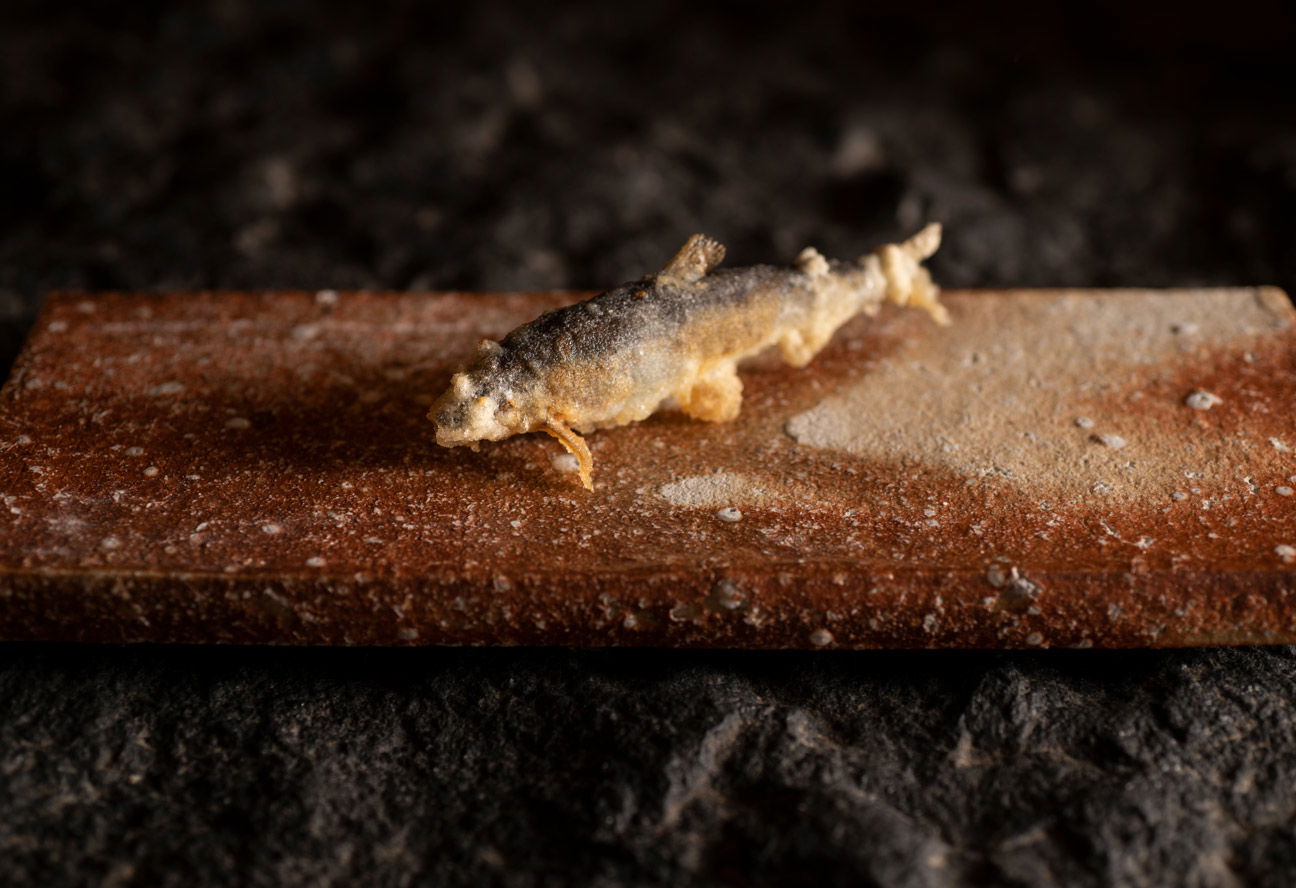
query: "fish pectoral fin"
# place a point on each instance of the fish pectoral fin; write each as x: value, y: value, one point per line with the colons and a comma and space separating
x: 714, y: 397
x: 694, y: 260
x: 576, y: 446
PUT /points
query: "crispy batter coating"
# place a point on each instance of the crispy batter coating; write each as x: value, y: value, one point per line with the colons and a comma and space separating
x: 678, y: 334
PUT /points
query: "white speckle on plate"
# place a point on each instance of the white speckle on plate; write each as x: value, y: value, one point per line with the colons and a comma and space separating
x: 151, y: 472
x: 134, y: 451
x: 315, y: 561
x: 821, y: 638
x: 730, y: 514
x: 1115, y: 442
x: 566, y: 462
x: 1084, y: 422
x: 271, y: 528
x: 729, y: 595
x: 1202, y: 400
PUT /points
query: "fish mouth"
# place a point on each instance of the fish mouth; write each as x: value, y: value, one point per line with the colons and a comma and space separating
x: 450, y: 418
x: 460, y: 423
x: 451, y: 437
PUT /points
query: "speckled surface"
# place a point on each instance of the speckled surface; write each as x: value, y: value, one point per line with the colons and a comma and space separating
x: 230, y: 467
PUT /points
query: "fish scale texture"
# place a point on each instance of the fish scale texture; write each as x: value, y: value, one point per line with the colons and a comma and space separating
x: 245, y: 145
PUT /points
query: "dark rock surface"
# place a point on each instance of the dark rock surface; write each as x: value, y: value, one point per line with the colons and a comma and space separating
x: 297, y: 144
x: 272, y: 767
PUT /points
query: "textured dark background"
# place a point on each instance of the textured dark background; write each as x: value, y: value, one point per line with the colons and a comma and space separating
x: 299, y: 144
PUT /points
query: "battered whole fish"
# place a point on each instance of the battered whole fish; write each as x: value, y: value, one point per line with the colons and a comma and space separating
x: 678, y: 334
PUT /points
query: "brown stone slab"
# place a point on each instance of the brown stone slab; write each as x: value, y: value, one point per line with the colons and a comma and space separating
x: 1057, y: 468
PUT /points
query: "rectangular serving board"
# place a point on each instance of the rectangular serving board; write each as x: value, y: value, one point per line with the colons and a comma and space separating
x: 1064, y: 468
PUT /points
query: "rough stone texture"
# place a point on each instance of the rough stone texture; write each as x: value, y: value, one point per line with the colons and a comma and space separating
x: 268, y: 767
x: 250, y: 145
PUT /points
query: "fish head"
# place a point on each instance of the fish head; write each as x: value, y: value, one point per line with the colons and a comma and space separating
x: 481, y: 404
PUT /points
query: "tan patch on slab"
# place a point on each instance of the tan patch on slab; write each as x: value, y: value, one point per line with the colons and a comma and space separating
x: 728, y: 489
x: 1044, y: 392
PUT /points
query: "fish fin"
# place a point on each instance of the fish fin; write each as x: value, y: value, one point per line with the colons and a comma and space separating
x: 908, y: 283
x: 810, y: 261
x: 698, y: 256
x: 923, y: 244
x: 576, y: 446
x: 713, y: 397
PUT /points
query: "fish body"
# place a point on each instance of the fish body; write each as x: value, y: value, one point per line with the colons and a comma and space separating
x: 676, y: 335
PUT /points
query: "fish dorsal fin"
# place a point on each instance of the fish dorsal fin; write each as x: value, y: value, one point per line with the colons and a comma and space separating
x: 698, y: 256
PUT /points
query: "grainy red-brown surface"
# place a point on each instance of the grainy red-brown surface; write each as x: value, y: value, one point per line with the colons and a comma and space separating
x: 238, y: 467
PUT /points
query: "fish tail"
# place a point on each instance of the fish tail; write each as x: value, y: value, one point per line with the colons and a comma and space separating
x: 907, y: 281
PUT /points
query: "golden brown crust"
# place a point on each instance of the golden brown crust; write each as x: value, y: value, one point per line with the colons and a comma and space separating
x: 680, y: 335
